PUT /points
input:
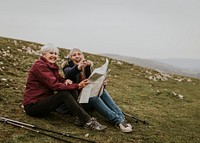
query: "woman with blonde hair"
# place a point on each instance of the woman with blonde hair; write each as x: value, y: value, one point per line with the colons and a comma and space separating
x: 77, y: 69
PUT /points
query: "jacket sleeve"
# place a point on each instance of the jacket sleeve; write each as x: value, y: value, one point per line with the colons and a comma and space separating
x: 88, y: 71
x: 71, y: 72
x: 47, y: 77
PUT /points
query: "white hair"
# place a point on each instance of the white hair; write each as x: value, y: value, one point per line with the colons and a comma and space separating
x: 49, y: 48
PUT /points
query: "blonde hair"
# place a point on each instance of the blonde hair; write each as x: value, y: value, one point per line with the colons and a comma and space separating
x: 72, y: 51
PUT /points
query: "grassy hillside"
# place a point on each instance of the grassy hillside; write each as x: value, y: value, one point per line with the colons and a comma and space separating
x: 169, y: 103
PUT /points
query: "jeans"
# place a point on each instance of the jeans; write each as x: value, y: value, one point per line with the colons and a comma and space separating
x: 106, y: 107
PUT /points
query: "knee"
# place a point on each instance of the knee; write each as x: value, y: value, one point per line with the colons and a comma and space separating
x: 65, y: 94
x: 94, y: 99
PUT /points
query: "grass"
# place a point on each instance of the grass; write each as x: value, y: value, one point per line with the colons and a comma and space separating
x: 156, y: 101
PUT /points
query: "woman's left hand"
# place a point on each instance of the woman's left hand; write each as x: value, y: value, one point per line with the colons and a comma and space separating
x: 105, y: 82
x: 83, y: 83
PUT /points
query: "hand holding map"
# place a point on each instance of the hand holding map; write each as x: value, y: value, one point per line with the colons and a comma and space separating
x: 94, y: 88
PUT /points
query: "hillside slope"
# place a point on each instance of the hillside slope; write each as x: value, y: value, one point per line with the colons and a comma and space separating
x: 169, y: 103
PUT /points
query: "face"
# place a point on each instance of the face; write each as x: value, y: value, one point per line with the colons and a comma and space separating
x: 51, y: 57
x: 77, y: 56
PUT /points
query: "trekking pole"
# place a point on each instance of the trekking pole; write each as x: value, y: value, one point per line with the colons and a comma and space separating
x: 136, y: 119
x: 33, y: 130
x: 21, y: 124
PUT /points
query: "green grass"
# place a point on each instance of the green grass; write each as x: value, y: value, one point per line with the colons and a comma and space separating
x: 171, y: 119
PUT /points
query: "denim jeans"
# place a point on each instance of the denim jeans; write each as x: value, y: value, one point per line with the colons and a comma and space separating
x: 106, y: 107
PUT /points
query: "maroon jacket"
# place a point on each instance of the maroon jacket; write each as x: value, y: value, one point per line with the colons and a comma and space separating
x: 43, y: 80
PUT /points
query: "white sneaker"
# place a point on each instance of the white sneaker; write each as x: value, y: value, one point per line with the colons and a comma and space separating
x: 125, y: 128
x: 126, y: 122
x: 129, y: 125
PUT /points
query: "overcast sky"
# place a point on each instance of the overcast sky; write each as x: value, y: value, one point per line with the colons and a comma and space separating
x: 137, y: 28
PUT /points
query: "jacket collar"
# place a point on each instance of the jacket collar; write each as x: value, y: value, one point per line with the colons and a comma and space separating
x: 50, y: 65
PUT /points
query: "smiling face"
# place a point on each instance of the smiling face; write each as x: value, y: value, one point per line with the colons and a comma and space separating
x: 76, y: 56
x: 50, y: 56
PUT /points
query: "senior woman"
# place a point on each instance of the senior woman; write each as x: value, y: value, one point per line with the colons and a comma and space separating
x: 46, y: 90
x: 77, y: 69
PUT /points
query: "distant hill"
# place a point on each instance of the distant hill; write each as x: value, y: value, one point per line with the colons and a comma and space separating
x: 193, y: 64
x: 186, y: 67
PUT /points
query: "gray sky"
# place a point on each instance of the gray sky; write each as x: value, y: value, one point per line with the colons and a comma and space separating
x: 137, y: 28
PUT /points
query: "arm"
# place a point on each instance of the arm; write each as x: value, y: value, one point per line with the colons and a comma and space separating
x: 47, y: 77
x: 88, y: 68
x: 88, y: 71
x: 71, y: 72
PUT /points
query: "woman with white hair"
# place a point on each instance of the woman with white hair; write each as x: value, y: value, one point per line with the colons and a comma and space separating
x: 78, y: 69
x: 46, y: 90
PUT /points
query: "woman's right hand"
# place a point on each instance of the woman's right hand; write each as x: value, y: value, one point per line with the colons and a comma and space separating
x: 82, y: 64
x: 68, y: 81
x: 83, y: 83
